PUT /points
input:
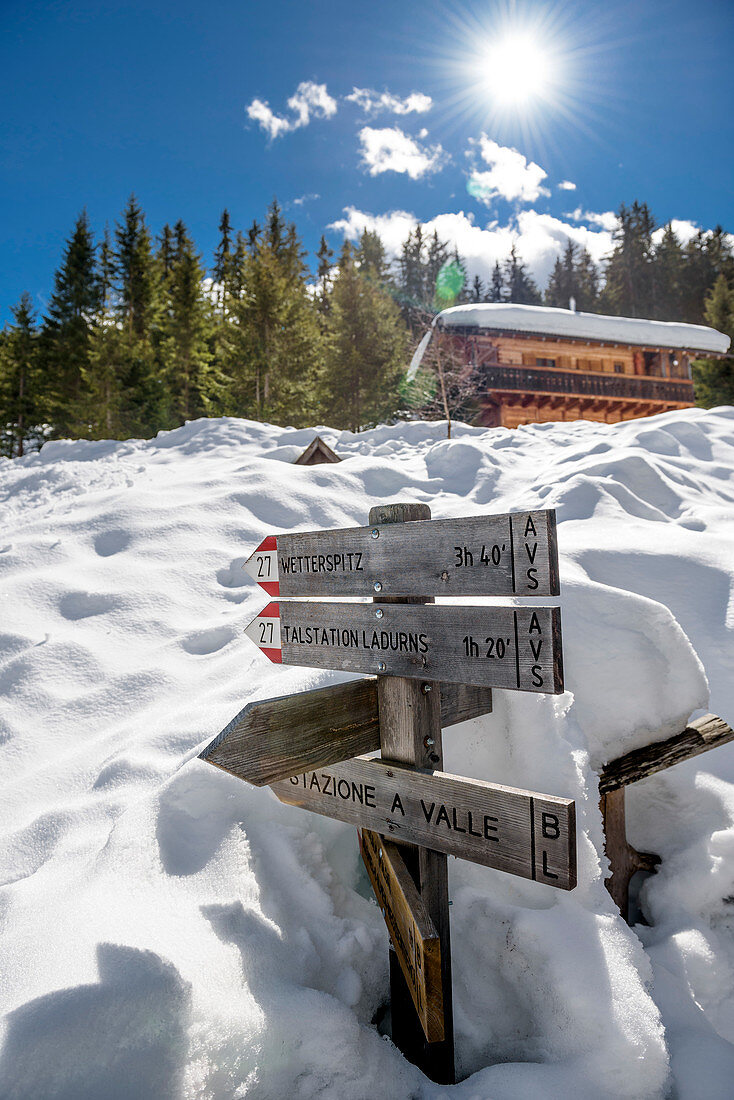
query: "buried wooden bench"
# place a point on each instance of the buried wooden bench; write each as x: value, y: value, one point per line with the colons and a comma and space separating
x: 699, y: 736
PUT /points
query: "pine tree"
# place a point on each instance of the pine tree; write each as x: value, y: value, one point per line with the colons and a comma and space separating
x: 144, y: 399
x: 477, y: 290
x: 279, y: 341
x: 497, y: 286
x: 67, y: 330
x: 136, y: 273
x: 371, y: 258
x: 586, y: 282
x: 669, y: 278
x: 705, y: 257
x: 574, y: 276
x: 275, y: 232
x: 166, y: 251
x: 21, y: 402
x: 223, y: 261
x: 253, y: 238
x: 714, y: 378
x: 324, y: 268
x: 562, y: 283
x: 367, y: 356
x: 240, y: 258
x: 437, y: 258
x: 519, y: 286
x: 411, y: 286
x: 186, y: 328
x: 554, y: 291
x: 629, y: 290
x: 103, y: 372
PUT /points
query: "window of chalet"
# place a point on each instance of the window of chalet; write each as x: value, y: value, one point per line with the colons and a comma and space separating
x: 619, y: 368
x: 544, y: 362
x: 653, y: 365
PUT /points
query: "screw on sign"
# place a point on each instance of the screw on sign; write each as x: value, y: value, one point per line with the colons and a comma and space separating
x: 309, y: 747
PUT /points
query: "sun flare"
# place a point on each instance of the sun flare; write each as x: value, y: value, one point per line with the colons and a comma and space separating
x: 526, y: 71
x: 517, y: 69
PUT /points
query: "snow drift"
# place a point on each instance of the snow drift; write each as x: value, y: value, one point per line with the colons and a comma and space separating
x: 170, y: 932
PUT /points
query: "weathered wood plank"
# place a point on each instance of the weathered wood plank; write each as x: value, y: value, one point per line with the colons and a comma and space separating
x: 624, y: 860
x: 519, y: 648
x: 272, y: 739
x: 460, y: 702
x: 524, y: 833
x: 699, y: 736
x: 413, y: 933
x: 515, y: 554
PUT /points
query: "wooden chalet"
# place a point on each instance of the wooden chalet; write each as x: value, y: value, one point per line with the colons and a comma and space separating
x: 532, y: 364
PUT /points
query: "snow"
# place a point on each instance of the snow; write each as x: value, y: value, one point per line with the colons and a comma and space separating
x: 170, y: 932
x: 548, y: 320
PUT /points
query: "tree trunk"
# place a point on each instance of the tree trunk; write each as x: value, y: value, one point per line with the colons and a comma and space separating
x: 443, y: 390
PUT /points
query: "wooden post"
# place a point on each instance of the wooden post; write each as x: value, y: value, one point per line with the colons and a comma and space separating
x: 700, y: 735
x: 624, y: 860
x: 410, y: 733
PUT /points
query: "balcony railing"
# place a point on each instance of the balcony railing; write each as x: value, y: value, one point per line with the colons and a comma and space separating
x: 498, y: 377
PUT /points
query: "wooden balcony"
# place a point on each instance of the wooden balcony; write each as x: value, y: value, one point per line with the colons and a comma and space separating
x: 499, y: 377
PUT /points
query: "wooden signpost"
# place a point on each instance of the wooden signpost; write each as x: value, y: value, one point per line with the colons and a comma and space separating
x: 504, y: 647
x: 430, y: 666
x: 509, y: 555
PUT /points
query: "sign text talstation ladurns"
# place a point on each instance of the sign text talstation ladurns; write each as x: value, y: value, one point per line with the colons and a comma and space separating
x: 411, y: 814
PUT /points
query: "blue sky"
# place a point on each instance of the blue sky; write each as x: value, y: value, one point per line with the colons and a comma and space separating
x: 187, y: 104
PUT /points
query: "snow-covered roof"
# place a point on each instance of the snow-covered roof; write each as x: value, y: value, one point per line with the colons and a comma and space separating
x: 550, y: 321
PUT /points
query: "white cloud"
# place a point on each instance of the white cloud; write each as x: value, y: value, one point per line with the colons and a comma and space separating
x: 372, y: 102
x: 608, y: 220
x: 302, y: 199
x: 391, y: 150
x: 539, y: 238
x: 511, y: 176
x: 684, y: 231
x: 309, y: 100
x: 566, y: 185
x: 272, y: 124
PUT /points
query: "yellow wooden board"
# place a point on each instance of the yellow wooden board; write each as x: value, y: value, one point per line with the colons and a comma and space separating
x: 412, y: 931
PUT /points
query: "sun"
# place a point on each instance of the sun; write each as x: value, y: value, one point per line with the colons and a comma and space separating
x: 517, y: 69
x: 527, y: 72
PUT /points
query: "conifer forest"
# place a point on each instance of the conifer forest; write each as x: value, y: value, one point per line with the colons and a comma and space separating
x: 141, y: 334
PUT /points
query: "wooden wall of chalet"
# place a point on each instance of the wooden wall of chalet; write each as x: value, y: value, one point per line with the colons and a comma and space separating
x: 511, y: 407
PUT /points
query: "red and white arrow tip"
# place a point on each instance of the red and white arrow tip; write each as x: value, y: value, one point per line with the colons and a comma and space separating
x: 262, y: 566
x: 264, y: 631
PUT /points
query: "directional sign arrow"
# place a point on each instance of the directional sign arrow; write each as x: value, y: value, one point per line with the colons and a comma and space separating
x: 514, y: 554
x: 505, y: 647
x: 274, y: 739
x: 528, y: 834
